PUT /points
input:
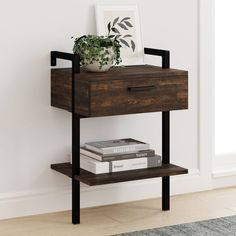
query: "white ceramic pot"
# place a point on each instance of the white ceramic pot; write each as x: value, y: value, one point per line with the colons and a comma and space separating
x: 95, y: 66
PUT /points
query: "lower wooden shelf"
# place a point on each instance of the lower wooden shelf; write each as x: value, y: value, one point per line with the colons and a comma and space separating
x: 116, y: 177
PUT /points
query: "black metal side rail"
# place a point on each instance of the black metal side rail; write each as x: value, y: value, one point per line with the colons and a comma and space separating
x: 165, y: 130
x: 75, y: 59
x: 164, y: 54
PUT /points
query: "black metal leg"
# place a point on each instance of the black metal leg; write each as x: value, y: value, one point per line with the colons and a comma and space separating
x: 75, y: 169
x: 166, y: 159
x: 166, y: 193
x: 75, y: 202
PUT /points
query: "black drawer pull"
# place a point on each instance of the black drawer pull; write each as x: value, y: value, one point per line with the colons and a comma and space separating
x: 140, y: 89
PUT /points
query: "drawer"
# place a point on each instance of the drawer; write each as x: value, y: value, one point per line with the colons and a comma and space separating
x: 138, y: 95
x: 120, y: 91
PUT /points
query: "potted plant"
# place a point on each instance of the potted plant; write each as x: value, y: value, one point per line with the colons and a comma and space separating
x: 100, y: 53
x: 97, y: 53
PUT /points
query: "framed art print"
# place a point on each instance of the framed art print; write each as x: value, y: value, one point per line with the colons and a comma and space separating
x: 123, y: 23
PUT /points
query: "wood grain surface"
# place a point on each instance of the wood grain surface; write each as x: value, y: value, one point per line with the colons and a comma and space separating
x: 116, y: 177
x: 122, y: 90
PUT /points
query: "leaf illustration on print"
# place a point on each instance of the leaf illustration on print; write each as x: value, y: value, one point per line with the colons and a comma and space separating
x: 109, y: 27
x: 124, y: 42
x: 118, y: 36
x: 133, y: 45
x: 128, y: 24
x: 115, y: 30
x: 115, y: 21
x: 124, y: 24
x: 128, y: 36
x: 126, y: 18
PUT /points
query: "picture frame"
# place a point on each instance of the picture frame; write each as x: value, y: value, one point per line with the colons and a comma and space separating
x: 127, y: 24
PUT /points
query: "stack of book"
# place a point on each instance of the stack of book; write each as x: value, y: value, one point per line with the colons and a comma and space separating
x: 117, y: 155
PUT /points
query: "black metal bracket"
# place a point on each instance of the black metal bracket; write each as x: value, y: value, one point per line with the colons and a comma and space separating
x: 75, y: 59
x: 159, y: 52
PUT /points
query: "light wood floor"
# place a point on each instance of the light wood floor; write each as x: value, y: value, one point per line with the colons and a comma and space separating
x: 108, y: 220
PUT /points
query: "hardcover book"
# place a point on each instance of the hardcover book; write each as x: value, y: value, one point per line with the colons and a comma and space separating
x: 119, y: 156
x: 117, y: 146
x: 98, y: 167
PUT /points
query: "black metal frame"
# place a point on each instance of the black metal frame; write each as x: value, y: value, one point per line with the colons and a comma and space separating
x: 162, y: 53
x: 166, y: 159
x: 165, y: 130
x: 75, y: 59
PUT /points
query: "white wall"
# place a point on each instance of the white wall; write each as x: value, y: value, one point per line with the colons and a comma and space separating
x: 224, y: 164
x: 33, y: 135
x: 225, y: 79
x: 225, y: 95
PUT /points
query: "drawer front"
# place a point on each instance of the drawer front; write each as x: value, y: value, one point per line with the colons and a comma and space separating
x: 138, y: 95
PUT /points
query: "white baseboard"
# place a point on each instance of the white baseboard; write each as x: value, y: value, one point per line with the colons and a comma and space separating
x: 224, y: 177
x: 226, y: 172
x: 53, y: 200
x: 32, y: 203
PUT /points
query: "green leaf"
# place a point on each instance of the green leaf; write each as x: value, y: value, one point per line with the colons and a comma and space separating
x: 115, y: 30
x: 122, y: 26
x: 128, y: 24
x: 127, y: 36
x: 115, y: 21
x: 124, y: 42
x: 126, y: 18
x: 133, y: 45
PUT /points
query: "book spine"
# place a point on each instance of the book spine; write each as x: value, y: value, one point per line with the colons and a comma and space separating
x: 148, y: 153
x: 130, y: 164
x: 97, y: 167
x: 154, y: 161
x: 94, y: 166
x: 135, y: 164
x: 127, y: 149
x: 119, y: 150
x: 91, y: 154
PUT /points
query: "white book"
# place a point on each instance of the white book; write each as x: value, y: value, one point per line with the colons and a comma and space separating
x: 129, y: 164
x: 117, y: 146
x: 97, y: 167
x: 93, y: 165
